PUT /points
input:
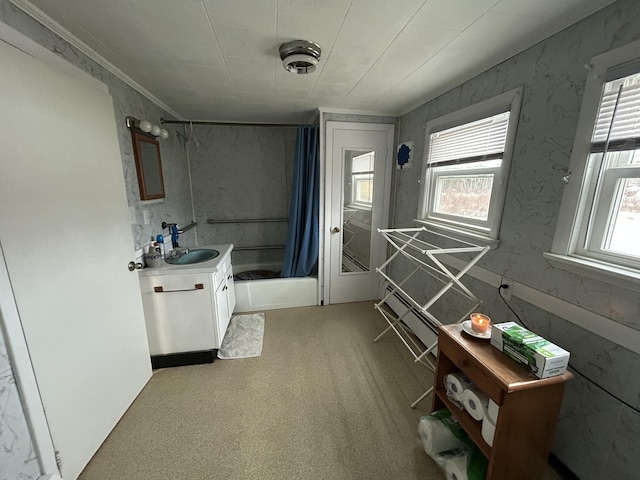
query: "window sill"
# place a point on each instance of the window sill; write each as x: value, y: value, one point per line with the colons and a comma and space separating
x: 476, y: 238
x: 607, y: 272
x: 358, y: 206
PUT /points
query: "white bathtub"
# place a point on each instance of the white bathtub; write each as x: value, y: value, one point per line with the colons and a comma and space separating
x: 254, y: 295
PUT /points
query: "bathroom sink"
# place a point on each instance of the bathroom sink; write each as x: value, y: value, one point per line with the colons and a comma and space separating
x: 195, y: 255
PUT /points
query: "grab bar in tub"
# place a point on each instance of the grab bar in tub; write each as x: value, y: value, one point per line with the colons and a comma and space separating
x: 213, y: 221
x: 261, y: 247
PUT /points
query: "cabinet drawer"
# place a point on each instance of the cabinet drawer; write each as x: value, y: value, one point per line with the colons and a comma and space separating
x: 177, y: 283
x: 471, y: 369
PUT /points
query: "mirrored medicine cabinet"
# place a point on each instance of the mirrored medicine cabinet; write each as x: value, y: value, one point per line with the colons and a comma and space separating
x: 146, y: 151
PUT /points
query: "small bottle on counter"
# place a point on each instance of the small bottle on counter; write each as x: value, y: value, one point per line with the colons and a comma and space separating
x: 160, y: 242
x: 153, y: 257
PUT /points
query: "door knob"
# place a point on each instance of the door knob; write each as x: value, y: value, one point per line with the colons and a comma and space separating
x: 134, y: 266
x: 335, y: 230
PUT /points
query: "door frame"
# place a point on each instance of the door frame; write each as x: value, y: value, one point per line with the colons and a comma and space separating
x: 20, y: 362
x: 326, y: 204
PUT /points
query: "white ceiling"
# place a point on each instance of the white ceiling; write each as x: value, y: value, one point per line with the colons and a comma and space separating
x: 218, y: 59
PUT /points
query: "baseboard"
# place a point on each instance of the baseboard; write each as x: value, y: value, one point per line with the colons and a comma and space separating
x: 419, y: 324
x: 561, y: 469
x: 183, y: 359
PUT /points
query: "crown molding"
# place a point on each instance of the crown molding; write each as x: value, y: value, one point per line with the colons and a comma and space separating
x: 348, y: 111
x: 42, y: 18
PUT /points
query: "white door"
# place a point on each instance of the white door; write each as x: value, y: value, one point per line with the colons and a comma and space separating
x: 66, y: 235
x: 358, y: 167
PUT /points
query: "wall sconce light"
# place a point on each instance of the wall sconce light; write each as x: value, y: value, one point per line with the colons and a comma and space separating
x: 147, y: 127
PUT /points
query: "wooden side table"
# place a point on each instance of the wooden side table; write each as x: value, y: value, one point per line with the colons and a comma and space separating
x: 529, y: 406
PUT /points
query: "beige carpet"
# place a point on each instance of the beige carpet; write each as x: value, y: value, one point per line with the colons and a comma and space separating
x: 322, y: 402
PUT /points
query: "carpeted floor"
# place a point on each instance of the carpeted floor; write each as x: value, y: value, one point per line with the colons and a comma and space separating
x: 322, y: 402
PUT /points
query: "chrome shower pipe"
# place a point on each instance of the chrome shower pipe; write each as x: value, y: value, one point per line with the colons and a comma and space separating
x: 229, y: 124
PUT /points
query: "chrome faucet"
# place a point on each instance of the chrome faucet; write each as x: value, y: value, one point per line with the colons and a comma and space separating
x: 177, y: 252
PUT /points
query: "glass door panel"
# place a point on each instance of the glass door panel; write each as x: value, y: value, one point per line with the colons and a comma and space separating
x: 357, y: 210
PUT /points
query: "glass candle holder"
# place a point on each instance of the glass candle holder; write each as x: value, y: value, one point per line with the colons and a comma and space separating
x: 480, y: 323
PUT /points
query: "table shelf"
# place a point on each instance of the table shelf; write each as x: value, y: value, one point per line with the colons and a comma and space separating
x: 529, y: 406
x: 471, y: 426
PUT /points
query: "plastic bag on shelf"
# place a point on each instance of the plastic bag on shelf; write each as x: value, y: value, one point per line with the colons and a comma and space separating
x: 437, y: 433
x: 446, y: 442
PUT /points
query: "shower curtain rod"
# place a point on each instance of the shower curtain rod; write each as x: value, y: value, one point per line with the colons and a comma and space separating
x: 236, y: 124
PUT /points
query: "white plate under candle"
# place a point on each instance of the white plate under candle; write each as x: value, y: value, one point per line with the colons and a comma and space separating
x: 466, y: 326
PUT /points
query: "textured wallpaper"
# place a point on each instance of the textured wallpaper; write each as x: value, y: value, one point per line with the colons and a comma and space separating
x: 595, y: 434
x: 243, y: 172
x: 17, y: 457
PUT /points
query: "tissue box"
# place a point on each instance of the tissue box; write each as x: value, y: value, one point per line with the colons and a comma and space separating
x: 540, y: 356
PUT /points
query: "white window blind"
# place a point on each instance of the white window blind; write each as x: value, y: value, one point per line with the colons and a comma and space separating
x: 471, y: 142
x: 619, y: 113
x: 362, y: 163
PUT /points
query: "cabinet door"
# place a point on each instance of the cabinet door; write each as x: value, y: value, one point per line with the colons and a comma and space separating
x: 222, y: 312
x: 231, y: 292
x: 179, y: 319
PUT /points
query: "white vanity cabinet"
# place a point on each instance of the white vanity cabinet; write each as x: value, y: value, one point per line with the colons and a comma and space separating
x: 178, y: 312
x: 187, y: 309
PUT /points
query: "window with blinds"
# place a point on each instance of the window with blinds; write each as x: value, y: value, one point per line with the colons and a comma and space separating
x: 466, y: 172
x: 613, y: 189
x: 599, y: 218
x: 362, y: 179
x: 473, y: 142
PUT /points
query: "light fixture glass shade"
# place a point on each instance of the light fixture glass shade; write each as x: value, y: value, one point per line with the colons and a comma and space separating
x: 155, y: 130
x: 145, y: 126
x: 164, y: 134
x: 300, y: 63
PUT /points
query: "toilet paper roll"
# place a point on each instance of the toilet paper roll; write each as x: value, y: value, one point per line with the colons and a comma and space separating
x: 436, y: 437
x: 455, y: 384
x: 488, y: 430
x: 475, y: 403
x: 455, y: 468
x: 492, y: 411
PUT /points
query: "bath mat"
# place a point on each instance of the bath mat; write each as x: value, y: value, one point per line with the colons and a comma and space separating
x: 243, y: 338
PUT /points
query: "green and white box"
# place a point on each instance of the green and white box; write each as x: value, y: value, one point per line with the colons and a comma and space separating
x: 540, y: 356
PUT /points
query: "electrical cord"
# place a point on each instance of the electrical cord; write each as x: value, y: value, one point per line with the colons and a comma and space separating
x: 503, y: 287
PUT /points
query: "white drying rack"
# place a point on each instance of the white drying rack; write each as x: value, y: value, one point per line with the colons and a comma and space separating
x: 423, y: 256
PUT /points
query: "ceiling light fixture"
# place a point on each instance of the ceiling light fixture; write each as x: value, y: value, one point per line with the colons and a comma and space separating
x: 300, y: 56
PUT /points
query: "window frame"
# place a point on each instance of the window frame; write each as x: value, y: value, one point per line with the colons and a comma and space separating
x: 566, y: 251
x: 354, y: 180
x: 486, y: 232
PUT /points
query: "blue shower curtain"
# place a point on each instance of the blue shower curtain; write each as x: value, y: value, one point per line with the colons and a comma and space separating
x: 301, y: 250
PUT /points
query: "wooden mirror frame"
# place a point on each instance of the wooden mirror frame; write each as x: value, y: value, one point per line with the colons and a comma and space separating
x: 139, y: 137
